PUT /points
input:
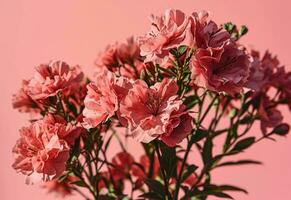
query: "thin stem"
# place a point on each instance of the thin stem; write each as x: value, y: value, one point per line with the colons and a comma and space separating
x: 168, y: 195
x: 80, y: 192
x: 207, y: 109
x: 178, y: 183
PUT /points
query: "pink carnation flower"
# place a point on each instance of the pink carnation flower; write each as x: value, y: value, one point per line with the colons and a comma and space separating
x: 282, y: 81
x: 206, y: 33
x: 221, y: 69
x: 122, y: 58
x: 57, y: 76
x: 269, y: 115
x: 141, y: 171
x: 262, y: 71
x: 102, y: 100
x: 122, y: 163
x: 64, y: 188
x: 156, y: 112
x: 43, y: 148
x: 23, y: 101
x: 168, y: 31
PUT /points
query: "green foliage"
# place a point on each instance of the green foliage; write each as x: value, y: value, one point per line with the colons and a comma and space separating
x: 234, y: 31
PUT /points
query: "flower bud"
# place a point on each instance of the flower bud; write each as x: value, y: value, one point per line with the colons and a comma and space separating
x: 281, y: 129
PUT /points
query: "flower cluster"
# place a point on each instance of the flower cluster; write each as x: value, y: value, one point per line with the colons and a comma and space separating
x: 124, y: 59
x: 43, y: 148
x: 153, y: 89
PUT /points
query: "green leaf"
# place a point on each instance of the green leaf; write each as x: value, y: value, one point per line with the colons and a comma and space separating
x: 221, y: 188
x: 79, y: 183
x: 281, y: 129
x: 240, y: 162
x: 155, y: 186
x: 207, y: 151
x: 229, y: 26
x: 243, y: 144
x: 221, y: 195
x: 182, y: 49
x: 191, y: 101
x: 174, y: 52
x: 189, y: 170
x: 198, y: 135
x: 106, y: 197
x: 233, y: 112
x: 169, y: 160
x: 243, y: 30
x: 246, y: 119
x: 151, y: 195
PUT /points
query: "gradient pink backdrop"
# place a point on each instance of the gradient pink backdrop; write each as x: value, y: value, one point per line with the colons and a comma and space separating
x: 34, y: 31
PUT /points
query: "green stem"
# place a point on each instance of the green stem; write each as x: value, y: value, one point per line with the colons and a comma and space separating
x: 166, y: 184
x: 178, y: 183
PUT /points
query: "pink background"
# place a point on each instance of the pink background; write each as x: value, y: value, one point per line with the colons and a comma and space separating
x: 34, y: 31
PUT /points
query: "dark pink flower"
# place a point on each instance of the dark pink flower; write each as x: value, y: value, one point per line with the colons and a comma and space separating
x: 190, y: 180
x: 168, y: 31
x: 141, y: 171
x: 282, y: 81
x: 103, y: 96
x: 122, y: 58
x: 270, y: 116
x: 262, y: 71
x: 156, y: 112
x: 23, y: 101
x: 51, y: 78
x: 122, y: 163
x: 221, y: 69
x: 206, y: 33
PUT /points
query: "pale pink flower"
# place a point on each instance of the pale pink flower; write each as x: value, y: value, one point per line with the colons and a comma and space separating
x: 49, y: 79
x: 122, y: 58
x: 168, y: 31
x: 63, y: 188
x: 23, y: 101
x: 103, y: 96
x: 156, y: 112
x: 270, y: 116
x: 43, y: 148
x: 221, y: 69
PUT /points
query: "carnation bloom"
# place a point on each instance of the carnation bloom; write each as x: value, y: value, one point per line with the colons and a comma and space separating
x: 63, y: 188
x: 51, y: 78
x: 23, y: 101
x: 221, y: 69
x: 206, y: 33
x: 282, y: 81
x: 270, y: 116
x: 156, y: 112
x: 168, y: 31
x: 122, y: 58
x: 262, y: 71
x: 145, y: 163
x: 43, y: 148
x: 103, y: 96
x: 122, y: 163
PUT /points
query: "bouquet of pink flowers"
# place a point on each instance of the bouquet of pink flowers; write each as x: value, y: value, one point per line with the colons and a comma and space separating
x: 177, y: 90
